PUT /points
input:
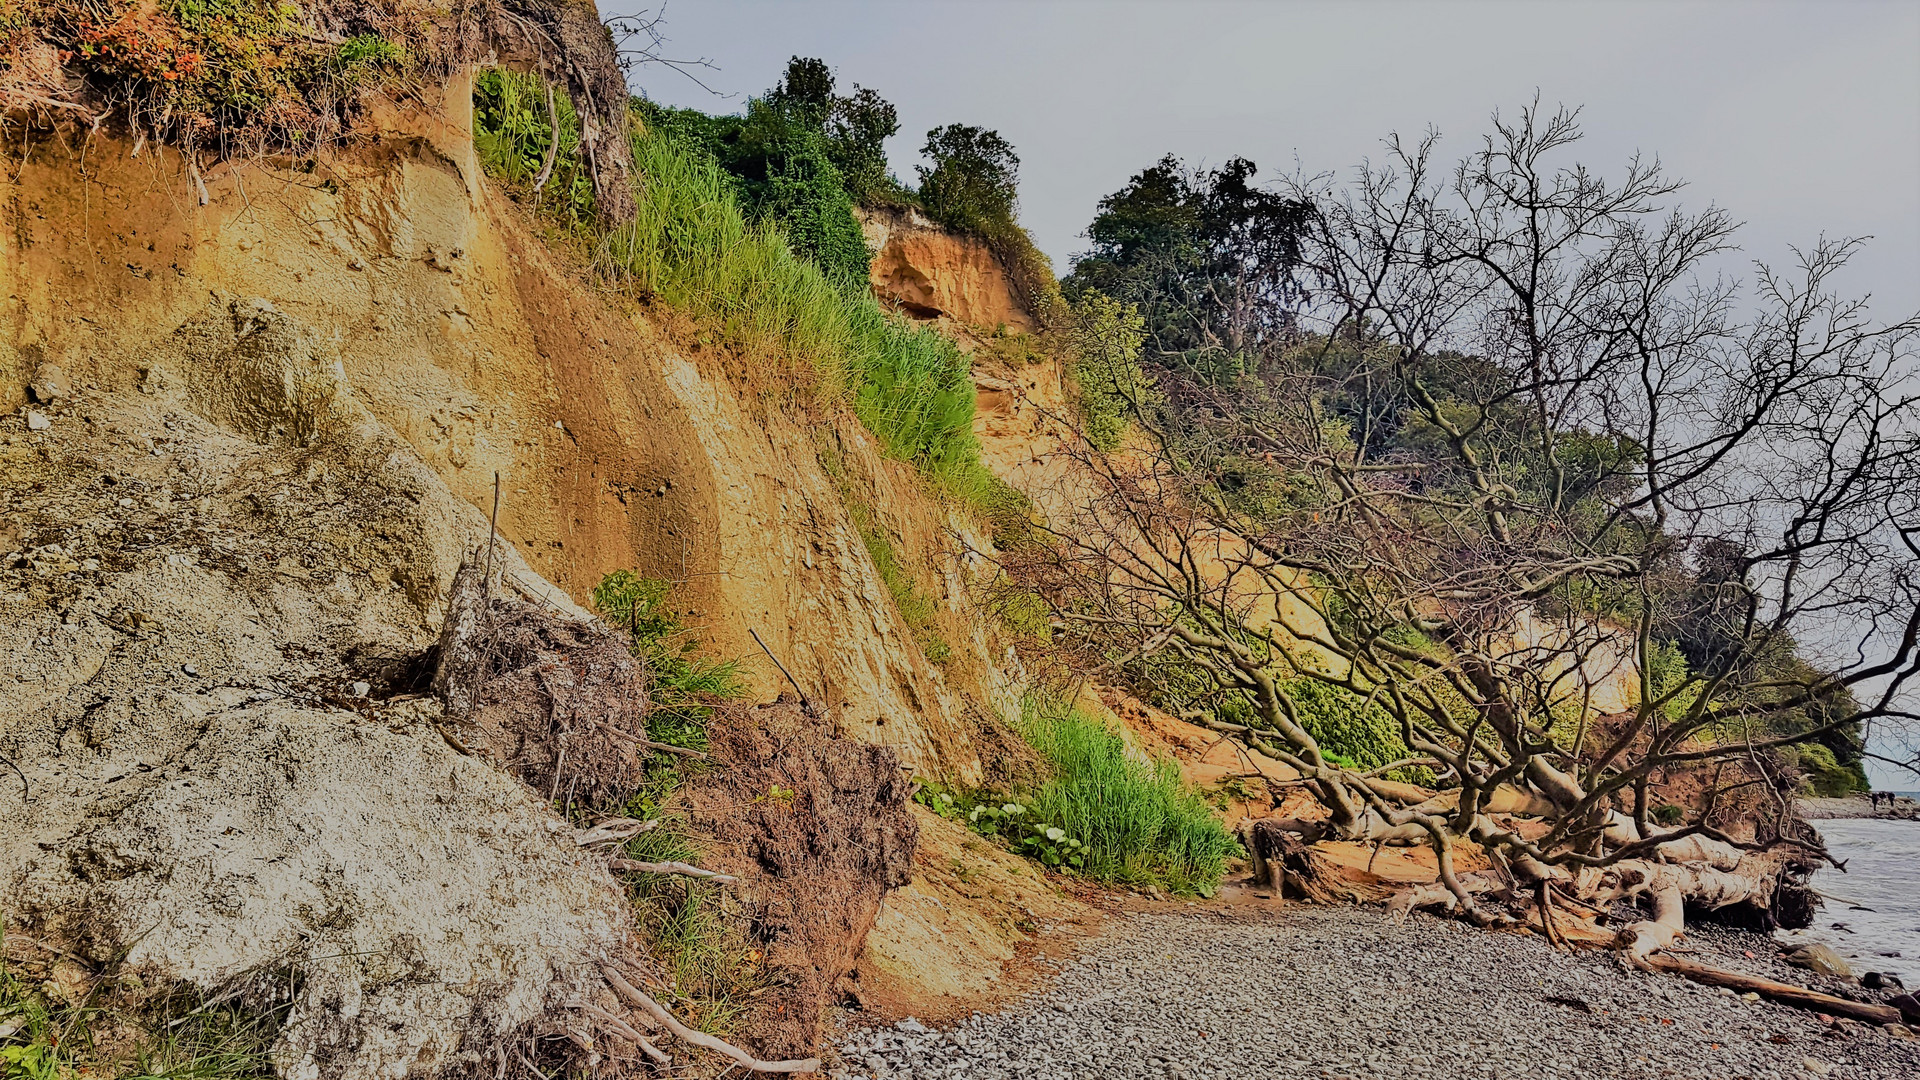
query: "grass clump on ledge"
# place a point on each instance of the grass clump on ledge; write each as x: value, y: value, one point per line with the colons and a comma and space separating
x: 1105, y: 813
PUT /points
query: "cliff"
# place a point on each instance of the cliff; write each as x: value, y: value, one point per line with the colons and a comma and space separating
x: 266, y: 434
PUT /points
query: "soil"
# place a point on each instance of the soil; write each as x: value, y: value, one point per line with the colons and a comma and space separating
x: 816, y: 828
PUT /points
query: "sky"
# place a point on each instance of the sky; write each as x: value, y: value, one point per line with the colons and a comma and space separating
x: 1801, y: 119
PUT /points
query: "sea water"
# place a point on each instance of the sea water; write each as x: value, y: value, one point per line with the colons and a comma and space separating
x: 1872, y: 911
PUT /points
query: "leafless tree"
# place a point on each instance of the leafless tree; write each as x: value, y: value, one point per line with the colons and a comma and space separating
x: 1528, y: 449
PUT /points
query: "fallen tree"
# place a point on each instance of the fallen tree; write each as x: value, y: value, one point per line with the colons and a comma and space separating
x: 1526, y: 495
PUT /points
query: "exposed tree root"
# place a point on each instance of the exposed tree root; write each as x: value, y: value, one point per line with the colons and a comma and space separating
x: 680, y: 868
x: 700, y: 1038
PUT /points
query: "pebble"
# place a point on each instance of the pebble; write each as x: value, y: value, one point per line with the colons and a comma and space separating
x: 37, y: 420
x: 1343, y: 992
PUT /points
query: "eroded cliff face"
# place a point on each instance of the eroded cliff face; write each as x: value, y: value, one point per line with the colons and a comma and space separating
x: 930, y: 273
x: 459, y: 331
x: 265, y: 436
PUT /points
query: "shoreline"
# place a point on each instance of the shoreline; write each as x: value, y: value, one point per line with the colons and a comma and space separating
x: 1902, y: 808
x: 1213, y: 991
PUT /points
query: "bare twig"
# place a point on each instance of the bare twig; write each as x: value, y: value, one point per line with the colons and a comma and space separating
x: 680, y: 868
x: 806, y: 704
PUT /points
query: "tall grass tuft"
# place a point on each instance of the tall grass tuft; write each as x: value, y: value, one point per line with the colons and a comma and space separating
x: 1140, y: 823
x: 691, y: 248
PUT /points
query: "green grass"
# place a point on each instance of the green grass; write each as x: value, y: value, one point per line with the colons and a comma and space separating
x: 123, y: 1030
x: 691, y: 248
x: 711, y: 965
x: 1138, y: 821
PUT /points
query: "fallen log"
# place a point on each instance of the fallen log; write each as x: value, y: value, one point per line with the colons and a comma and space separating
x: 1784, y: 993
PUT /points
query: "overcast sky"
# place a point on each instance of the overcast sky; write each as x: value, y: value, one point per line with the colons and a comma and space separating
x: 1799, y: 118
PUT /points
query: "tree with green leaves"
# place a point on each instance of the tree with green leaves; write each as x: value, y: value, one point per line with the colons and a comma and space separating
x: 972, y: 185
x: 1208, y: 256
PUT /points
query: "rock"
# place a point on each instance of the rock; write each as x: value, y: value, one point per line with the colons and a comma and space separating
x: 1899, y: 1031
x: 360, y: 689
x: 37, y: 421
x: 49, y: 384
x: 912, y: 1025
x: 1880, y: 980
x: 1909, y: 1006
x: 1819, y: 959
x: 1816, y: 1066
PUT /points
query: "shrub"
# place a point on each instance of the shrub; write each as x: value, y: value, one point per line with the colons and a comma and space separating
x: 1106, y: 337
x: 1131, y: 821
x: 1351, y: 732
x: 973, y: 182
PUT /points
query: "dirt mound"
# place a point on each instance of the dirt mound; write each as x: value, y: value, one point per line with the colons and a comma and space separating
x: 818, y: 831
x: 555, y: 700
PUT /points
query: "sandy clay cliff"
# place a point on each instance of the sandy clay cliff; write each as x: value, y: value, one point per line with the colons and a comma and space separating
x: 247, y: 447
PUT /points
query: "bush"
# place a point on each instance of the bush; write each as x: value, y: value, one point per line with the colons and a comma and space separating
x: 1351, y: 732
x: 1106, y: 338
x: 1130, y: 821
x: 973, y: 183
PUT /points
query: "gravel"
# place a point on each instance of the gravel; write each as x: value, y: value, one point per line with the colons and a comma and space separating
x: 1343, y: 992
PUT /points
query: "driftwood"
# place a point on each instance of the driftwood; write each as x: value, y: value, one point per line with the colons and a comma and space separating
x: 1783, y: 993
x: 700, y: 1038
x: 614, y: 829
x: 1283, y: 862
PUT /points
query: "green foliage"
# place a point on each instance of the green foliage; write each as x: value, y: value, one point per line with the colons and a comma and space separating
x: 692, y: 248
x: 1351, y: 732
x: 232, y: 76
x: 974, y: 180
x: 1207, y: 256
x: 170, y: 1036
x: 682, y: 687
x: 1106, y: 337
x: 369, y: 49
x: 790, y: 157
x: 1135, y: 821
x: 514, y: 115
x: 855, y: 127
x: 1669, y: 814
x: 711, y: 965
x: 915, y: 607
x: 1046, y: 844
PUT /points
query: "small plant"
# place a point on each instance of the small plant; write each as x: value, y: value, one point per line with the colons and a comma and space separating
x: 937, y: 799
x: 683, y: 687
x: 1668, y: 814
